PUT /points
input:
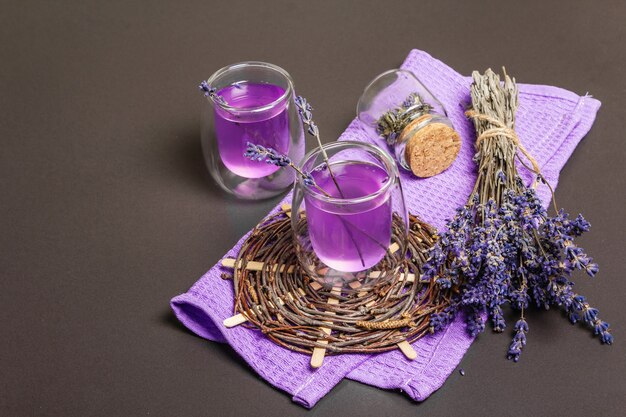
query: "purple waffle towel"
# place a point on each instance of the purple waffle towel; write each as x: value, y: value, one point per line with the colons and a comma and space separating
x: 550, y: 122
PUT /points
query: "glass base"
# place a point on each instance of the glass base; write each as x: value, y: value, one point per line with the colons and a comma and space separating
x: 252, y: 188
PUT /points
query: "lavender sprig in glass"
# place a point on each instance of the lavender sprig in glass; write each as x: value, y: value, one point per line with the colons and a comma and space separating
x: 211, y: 92
x: 306, y: 115
x: 271, y: 156
x: 260, y: 153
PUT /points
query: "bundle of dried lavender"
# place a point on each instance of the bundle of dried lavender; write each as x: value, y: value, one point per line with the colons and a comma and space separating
x: 391, y: 123
x: 503, y: 247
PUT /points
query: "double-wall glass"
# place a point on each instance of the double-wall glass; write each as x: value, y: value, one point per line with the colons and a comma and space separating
x: 253, y: 102
x: 351, y: 223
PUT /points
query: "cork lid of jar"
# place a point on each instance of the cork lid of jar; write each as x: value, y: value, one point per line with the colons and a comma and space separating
x: 431, y: 149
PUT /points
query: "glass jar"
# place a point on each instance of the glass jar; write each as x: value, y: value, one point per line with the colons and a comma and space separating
x: 399, y: 108
x: 251, y: 102
x: 352, y: 222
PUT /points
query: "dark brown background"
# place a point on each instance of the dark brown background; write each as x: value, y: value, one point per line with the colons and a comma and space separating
x: 106, y: 211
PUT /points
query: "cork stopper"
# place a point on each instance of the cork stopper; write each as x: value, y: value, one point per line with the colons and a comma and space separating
x: 431, y: 149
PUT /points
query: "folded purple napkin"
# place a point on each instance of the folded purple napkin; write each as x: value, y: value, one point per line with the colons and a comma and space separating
x: 550, y: 122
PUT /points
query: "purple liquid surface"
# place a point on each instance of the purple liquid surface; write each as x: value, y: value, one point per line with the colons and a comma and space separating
x: 269, y: 128
x: 354, y: 237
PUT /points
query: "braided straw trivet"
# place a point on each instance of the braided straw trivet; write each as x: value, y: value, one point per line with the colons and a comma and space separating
x: 369, y: 316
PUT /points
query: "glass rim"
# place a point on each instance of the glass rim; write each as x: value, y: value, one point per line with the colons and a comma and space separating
x: 391, y: 167
x: 377, y: 79
x: 240, y: 65
x: 385, y: 74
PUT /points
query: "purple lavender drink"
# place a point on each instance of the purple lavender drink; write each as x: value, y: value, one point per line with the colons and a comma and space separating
x: 268, y: 128
x: 351, y: 237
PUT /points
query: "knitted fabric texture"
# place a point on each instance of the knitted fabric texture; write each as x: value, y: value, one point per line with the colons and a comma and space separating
x: 550, y: 123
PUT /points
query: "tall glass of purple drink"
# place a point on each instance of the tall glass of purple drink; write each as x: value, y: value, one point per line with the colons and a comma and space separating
x: 358, y: 229
x: 252, y: 102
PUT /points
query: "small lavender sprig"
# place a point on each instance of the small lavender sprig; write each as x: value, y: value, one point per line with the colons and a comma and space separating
x: 306, y: 115
x: 305, y: 110
x: 260, y: 153
x: 211, y: 92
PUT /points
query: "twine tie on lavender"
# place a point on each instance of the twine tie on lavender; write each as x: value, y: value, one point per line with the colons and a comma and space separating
x: 502, y: 130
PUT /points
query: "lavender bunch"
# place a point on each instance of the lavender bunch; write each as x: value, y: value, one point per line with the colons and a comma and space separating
x: 503, y: 248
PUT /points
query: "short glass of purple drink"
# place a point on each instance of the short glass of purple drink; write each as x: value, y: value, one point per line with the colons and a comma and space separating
x: 252, y: 102
x: 352, y: 224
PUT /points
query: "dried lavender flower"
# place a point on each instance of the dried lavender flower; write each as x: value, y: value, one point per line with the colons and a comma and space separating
x: 503, y: 247
x: 392, y: 122
x: 519, y: 340
x: 308, y: 180
x: 306, y: 115
x: 211, y: 92
x: 261, y: 153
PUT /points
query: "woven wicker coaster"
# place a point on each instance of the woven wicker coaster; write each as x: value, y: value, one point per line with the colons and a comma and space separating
x: 372, y: 315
